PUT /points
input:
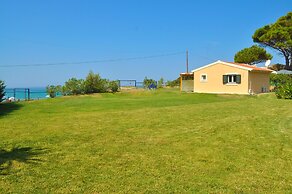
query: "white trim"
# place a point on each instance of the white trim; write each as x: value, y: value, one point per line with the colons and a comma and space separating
x: 232, y: 74
x: 224, y: 63
x: 233, y: 79
x: 231, y: 84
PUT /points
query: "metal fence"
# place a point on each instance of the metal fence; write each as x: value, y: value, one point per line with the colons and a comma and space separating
x: 24, y: 93
x: 127, y: 83
x: 133, y: 84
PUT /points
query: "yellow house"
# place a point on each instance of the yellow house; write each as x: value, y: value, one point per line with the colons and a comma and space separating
x: 231, y: 78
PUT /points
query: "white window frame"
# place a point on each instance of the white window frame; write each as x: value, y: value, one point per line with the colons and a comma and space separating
x: 201, y: 77
x: 233, y: 81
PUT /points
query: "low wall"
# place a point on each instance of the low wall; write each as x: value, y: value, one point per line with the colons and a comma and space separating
x: 187, y: 86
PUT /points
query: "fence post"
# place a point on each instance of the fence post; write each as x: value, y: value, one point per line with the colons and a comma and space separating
x: 135, y: 83
x: 28, y: 92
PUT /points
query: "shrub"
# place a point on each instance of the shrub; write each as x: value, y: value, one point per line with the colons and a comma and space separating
x: 2, y: 90
x: 160, y: 83
x: 95, y: 84
x: 282, y: 84
x: 73, y: 87
x: 92, y: 84
x: 280, y: 79
x: 148, y: 82
x: 113, y: 86
x: 284, y: 91
x: 53, y: 90
x: 173, y: 83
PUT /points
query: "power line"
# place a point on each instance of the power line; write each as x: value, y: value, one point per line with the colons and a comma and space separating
x: 95, y: 61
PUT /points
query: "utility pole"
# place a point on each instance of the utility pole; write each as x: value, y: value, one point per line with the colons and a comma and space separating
x: 187, y: 58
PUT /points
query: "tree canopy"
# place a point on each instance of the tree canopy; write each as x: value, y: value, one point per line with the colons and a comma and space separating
x: 252, y: 55
x: 94, y: 83
x: 277, y: 36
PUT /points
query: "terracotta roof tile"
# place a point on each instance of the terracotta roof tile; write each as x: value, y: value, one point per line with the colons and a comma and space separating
x: 255, y: 68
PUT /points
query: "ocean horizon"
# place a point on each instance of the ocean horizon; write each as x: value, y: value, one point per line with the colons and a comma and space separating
x: 22, y: 93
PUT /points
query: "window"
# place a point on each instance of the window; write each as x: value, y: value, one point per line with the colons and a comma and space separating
x: 232, y: 79
x: 203, y: 78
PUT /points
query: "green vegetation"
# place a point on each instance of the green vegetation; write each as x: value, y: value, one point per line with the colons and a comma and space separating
x: 277, y: 36
x: 160, y: 83
x: 284, y: 91
x: 278, y: 79
x: 282, y: 84
x: 252, y: 55
x: 158, y: 141
x: 147, y: 82
x: 2, y: 90
x: 92, y: 84
x: 73, y: 87
x: 174, y: 83
x: 53, y: 90
x: 113, y: 86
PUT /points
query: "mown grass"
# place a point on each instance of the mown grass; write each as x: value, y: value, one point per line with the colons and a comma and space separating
x: 147, y: 142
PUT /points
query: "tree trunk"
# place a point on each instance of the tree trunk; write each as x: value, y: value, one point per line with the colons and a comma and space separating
x: 290, y: 63
x: 287, y: 65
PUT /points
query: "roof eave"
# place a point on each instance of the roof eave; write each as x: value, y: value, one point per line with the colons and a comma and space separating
x: 225, y: 63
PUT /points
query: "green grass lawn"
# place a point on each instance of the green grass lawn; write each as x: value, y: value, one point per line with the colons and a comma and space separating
x: 147, y: 142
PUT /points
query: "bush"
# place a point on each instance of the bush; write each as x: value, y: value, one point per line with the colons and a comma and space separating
x: 280, y: 79
x: 53, y: 90
x: 95, y: 84
x: 173, y: 83
x: 92, y: 84
x: 73, y: 87
x: 149, y: 82
x: 113, y: 86
x: 282, y: 84
x: 2, y: 90
x: 160, y: 83
x: 284, y: 91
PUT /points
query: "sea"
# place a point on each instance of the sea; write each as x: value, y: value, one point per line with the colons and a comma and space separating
x: 33, y: 93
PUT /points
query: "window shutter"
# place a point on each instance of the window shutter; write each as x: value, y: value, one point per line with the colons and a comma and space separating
x: 225, y: 79
x: 238, y: 79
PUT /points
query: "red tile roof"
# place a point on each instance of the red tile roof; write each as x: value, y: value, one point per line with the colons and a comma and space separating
x: 253, y: 67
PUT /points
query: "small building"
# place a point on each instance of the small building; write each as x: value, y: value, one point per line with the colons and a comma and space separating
x: 187, y: 82
x: 230, y: 78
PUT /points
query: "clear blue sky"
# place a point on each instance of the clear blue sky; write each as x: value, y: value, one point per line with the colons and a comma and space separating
x: 56, y: 31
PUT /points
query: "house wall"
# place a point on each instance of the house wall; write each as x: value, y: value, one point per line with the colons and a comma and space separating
x: 214, y: 83
x: 259, y: 80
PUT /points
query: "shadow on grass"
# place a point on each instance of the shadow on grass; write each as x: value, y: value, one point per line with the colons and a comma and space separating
x: 6, y: 108
x: 19, y: 154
